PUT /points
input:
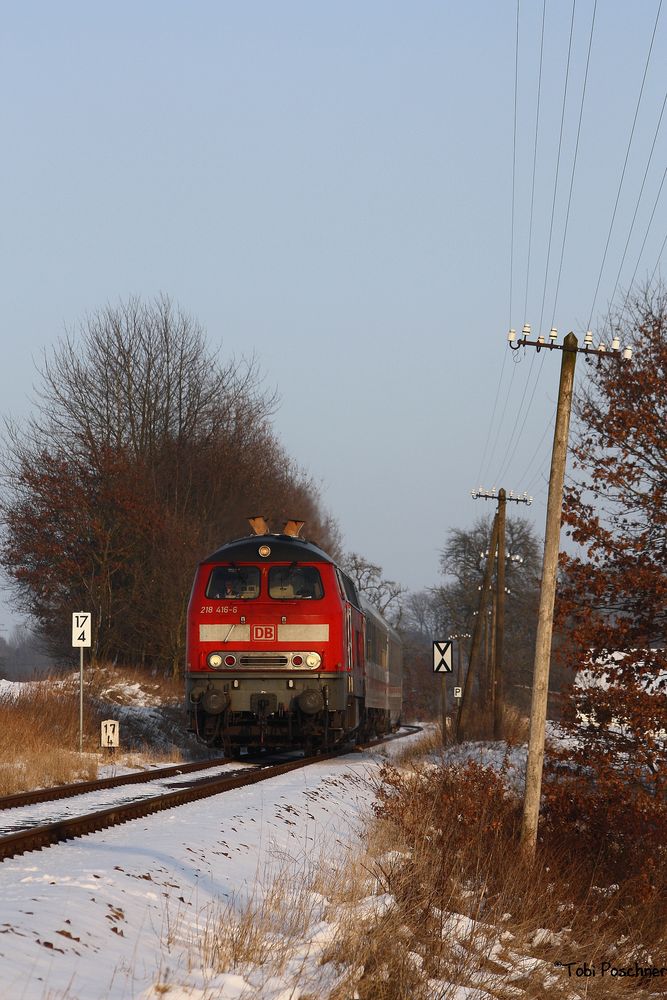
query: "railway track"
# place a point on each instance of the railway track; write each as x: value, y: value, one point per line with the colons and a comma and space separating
x: 82, y: 787
x: 38, y: 837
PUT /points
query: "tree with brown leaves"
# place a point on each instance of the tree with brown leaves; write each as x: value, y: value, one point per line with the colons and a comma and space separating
x: 613, y: 603
x: 144, y: 453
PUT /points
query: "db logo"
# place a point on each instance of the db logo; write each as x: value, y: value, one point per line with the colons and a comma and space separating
x: 264, y: 633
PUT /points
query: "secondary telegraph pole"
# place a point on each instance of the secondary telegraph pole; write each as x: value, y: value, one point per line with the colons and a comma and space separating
x: 498, y: 685
x: 498, y: 632
x: 538, y: 711
x: 463, y: 714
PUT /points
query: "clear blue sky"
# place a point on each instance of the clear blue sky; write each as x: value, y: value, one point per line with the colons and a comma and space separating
x: 329, y: 187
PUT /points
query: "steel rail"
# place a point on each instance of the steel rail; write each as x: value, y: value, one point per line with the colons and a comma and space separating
x: 39, y: 837
x: 81, y: 787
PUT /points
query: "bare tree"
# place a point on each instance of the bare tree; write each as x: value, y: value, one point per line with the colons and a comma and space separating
x: 138, y: 374
x: 461, y: 560
x: 385, y: 595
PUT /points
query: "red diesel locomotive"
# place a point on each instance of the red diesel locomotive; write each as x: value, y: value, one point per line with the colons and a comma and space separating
x: 283, y: 652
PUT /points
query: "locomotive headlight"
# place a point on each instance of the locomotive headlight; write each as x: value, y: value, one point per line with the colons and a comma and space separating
x: 313, y: 660
x: 214, y: 660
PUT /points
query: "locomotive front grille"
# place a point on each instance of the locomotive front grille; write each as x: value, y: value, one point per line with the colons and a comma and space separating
x: 260, y: 659
x: 263, y: 660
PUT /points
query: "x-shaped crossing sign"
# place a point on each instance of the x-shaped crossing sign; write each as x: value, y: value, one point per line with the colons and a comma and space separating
x: 442, y: 657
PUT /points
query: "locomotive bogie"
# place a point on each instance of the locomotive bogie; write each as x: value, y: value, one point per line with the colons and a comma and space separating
x: 269, y: 711
x: 282, y: 693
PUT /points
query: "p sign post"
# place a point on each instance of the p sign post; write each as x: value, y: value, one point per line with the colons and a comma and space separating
x: 81, y: 637
x: 442, y: 664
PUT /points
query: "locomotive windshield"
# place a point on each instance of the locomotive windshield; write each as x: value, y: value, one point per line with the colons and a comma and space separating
x: 233, y: 583
x: 295, y: 583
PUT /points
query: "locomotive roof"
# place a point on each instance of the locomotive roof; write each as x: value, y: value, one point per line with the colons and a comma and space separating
x: 284, y: 548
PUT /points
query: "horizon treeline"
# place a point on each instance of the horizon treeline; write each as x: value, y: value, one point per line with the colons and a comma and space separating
x: 144, y: 452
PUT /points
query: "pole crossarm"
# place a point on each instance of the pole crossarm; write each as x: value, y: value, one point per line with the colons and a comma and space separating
x: 494, y: 494
x: 570, y: 344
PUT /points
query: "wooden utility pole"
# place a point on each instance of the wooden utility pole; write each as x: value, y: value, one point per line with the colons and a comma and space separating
x: 538, y: 711
x: 443, y: 689
x: 457, y: 638
x: 463, y: 715
x: 489, y: 656
x: 498, y: 690
x: 459, y: 660
x: 494, y: 659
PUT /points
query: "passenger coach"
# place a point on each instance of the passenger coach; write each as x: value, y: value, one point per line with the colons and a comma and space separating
x: 282, y: 651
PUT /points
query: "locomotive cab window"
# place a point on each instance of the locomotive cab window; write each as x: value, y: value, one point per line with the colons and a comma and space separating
x: 233, y: 583
x: 289, y: 583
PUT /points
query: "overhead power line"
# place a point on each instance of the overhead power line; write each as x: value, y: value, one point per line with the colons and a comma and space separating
x: 531, y: 382
x: 657, y: 263
x: 641, y: 250
x: 502, y: 368
x: 574, y: 164
x: 634, y: 217
x: 560, y: 146
x: 625, y: 164
x: 532, y: 187
x: 516, y: 89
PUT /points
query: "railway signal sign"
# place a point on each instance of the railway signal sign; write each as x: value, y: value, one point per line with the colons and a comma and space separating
x: 81, y: 631
x: 110, y: 734
x: 442, y: 657
x: 81, y: 638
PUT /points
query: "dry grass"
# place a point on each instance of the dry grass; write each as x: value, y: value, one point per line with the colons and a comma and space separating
x: 437, y: 899
x: 39, y: 726
x: 460, y: 907
x: 145, y: 756
x: 430, y: 741
x: 121, y: 685
x: 262, y: 937
x: 39, y: 737
x: 516, y: 727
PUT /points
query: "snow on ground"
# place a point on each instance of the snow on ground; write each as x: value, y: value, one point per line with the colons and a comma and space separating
x: 12, y: 689
x: 24, y: 817
x: 121, y: 914
x: 500, y: 755
x: 114, y: 913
